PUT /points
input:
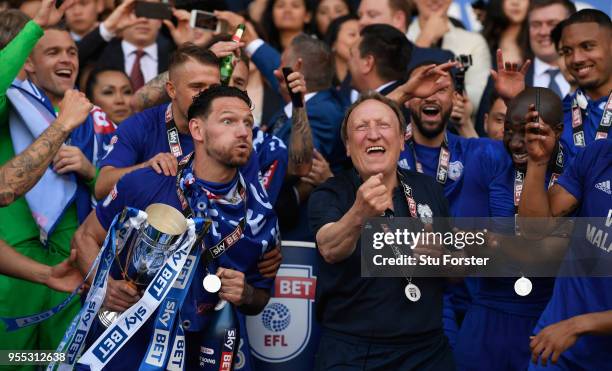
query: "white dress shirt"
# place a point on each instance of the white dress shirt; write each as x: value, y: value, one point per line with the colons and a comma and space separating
x: 148, y: 62
x: 541, y: 79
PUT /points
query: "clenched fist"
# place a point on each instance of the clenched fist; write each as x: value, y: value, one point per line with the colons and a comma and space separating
x: 373, y: 197
x: 73, y: 109
x: 234, y: 287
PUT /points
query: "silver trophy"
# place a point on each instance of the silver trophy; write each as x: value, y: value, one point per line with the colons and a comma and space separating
x: 148, y: 247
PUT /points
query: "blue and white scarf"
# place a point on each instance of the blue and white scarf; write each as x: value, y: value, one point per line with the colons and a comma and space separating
x: 31, y: 113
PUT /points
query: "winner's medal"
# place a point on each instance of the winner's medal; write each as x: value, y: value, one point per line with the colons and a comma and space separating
x: 211, y: 283
x: 412, y: 291
x: 523, y: 286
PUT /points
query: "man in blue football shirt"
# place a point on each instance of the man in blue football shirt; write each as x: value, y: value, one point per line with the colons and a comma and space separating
x: 222, y: 189
x: 575, y: 329
x: 495, y: 307
x: 585, y: 43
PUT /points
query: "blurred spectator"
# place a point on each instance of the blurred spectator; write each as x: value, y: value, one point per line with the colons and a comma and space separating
x: 494, y: 119
x: 379, y: 60
x: 543, y: 16
x: 342, y: 33
x: 283, y: 20
x: 504, y: 28
x: 30, y: 7
x: 326, y: 11
x: 432, y: 28
x: 142, y: 52
x: 111, y: 91
x: 395, y: 13
x: 82, y: 18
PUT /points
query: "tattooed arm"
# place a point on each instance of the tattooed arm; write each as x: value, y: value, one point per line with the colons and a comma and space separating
x: 151, y: 94
x: 300, y: 143
x: 22, y: 172
x: 300, y: 139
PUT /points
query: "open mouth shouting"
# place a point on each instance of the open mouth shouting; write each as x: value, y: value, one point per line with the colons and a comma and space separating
x: 375, y: 150
x: 64, y: 73
x: 431, y: 112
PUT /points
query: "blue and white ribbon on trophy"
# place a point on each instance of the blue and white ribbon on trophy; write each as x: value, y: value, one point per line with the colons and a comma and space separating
x: 74, y: 338
x: 165, y: 325
x: 135, y: 217
x: 129, y: 322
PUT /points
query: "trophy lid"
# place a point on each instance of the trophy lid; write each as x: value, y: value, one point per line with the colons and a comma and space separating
x: 166, y: 219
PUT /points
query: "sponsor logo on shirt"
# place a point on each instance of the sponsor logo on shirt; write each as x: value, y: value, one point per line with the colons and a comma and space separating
x: 604, y: 187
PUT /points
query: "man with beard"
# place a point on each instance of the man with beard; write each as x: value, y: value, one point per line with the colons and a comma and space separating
x: 432, y: 150
x: 585, y: 41
x: 495, y: 307
x: 215, y: 175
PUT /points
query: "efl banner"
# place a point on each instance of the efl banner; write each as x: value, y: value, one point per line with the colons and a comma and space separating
x: 285, y: 336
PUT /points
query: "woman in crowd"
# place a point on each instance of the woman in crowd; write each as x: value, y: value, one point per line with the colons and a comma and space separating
x: 504, y: 28
x: 284, y: 19
x: 326, y: 11
x: 111, y: 91
x: 342, y: 33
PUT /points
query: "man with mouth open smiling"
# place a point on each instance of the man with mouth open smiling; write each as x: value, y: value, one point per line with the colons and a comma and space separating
x: 368, y: 323
x: 586, y: 45
x: 431, y: 150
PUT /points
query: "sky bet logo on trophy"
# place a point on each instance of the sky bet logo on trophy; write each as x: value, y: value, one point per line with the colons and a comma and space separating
x: 145, y: 249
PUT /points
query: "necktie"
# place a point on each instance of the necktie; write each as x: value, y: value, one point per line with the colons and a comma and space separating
x: 136, y: 75
x: 552, y: 85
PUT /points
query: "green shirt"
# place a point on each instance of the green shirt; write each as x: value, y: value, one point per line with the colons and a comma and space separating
x: 17, y: 226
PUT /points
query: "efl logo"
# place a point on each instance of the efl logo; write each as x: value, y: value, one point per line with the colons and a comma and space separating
x: 282, y: 330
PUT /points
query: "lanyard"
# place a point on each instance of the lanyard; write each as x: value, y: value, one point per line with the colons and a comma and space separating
x: 411, y: 291
x: 443, y: 158
x: 577, y: 125
x: 173, y: 135
x: 230, y: 239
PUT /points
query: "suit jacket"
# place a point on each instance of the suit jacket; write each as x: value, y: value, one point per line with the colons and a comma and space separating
x: 529, y: 76
x: 94, y: 49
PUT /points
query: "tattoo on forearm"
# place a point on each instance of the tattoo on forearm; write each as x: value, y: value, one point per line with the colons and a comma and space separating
x: 153, y: 93
x: 22, y: 172
x: 300, y: 141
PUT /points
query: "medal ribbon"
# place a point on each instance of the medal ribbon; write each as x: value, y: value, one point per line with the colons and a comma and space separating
x: 173, y: 135
x: 577, y: 125
x: 443, y: 158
